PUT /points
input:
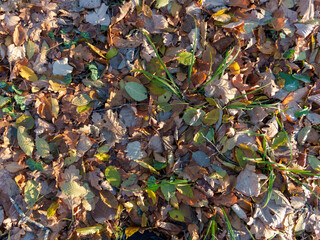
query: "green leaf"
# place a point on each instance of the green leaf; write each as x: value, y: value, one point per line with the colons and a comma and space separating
x: 111, y: 53
x: 26, y: 121
x: 288, y: 54
x: 159, y: 165
x: 168, y: 190
x: 280, y: 140
x: 314, y: 162
x: 212, y: 117
x: 136, y: 90
x: 42, y: 147
x: 2, y: 85
x: 193, y: 116
x: 185, y: 189
x: 94, y: 71
x: 84, y: 108
x: 199, y: 136
x: 67, y: 79
x: 89, y: 230
x: 81, y: 100
x: 33, y: 165
x: 19, y: 99
x: 291, y: 83
x: 240, y: 157
x: 52, y: 209
x: 102, y: 156
x: 161, y: 3
x: 152, y: 184
x: 4, y: 101
x: 176, y: 215
x: 185, y: 58
x: 113, y: 176
x: 86, y: 35
x: 31, y: 193
x: 25, y: 141
x: 303, y: 112
x: 302, y: 78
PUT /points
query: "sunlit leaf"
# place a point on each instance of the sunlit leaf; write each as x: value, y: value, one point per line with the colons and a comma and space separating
x: 31, y: 193
x: 136, y: 90
x: 30, y: 49
x: 27, y: 73
x: 26, y: 121
x: 161, y: 3
x: 129, y: 231
x: 89, y: 230
x: 111, y: 53
x: 42, y: 147
x: 113, y: 176
x: 176, y: 215
x: 212, y: 117
x: 147, y: 166
x: 185, y: 58
x: 314, y: 162
x: 109, y: 199
x: 25, y: 141
x: 280, y: 140
x: 51, y: 211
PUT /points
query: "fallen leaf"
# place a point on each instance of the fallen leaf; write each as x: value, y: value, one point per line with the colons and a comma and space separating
x: 27, y: 73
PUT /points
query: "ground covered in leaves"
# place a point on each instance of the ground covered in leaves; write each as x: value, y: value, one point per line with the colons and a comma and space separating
x: 190, y: 119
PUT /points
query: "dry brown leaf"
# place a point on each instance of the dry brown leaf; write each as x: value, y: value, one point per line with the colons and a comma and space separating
x: 19, y: 36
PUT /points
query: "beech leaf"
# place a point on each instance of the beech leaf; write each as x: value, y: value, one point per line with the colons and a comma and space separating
x: 136, y: 90
x: 25, y: 141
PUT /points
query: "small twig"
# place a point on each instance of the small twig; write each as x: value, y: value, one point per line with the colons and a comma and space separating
x: 25, y: 219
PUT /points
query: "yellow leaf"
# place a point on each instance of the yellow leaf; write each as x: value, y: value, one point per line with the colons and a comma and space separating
x: 212, y: 117
x: 54, y: 106
x: 220, y: 12
x: 130, y: 231
x: 28, y: 74
x: 152, y: 195
x: 176, y: 215
x: 146, y: 165
x: 235, y: 68
x: 97, y: 50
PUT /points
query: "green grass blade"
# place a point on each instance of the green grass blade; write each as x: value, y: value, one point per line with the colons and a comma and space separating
x: 249, y: 232
x: 193, y: 50
x: 259, y: 88
x: 210, y: 227
x: 272, y: 177
x: 231, y: 233
x: 161, y: 82
x: 160, y: 60
x: 223, y: 66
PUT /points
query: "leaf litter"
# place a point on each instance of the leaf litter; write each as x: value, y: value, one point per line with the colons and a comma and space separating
x: 124, y: 116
